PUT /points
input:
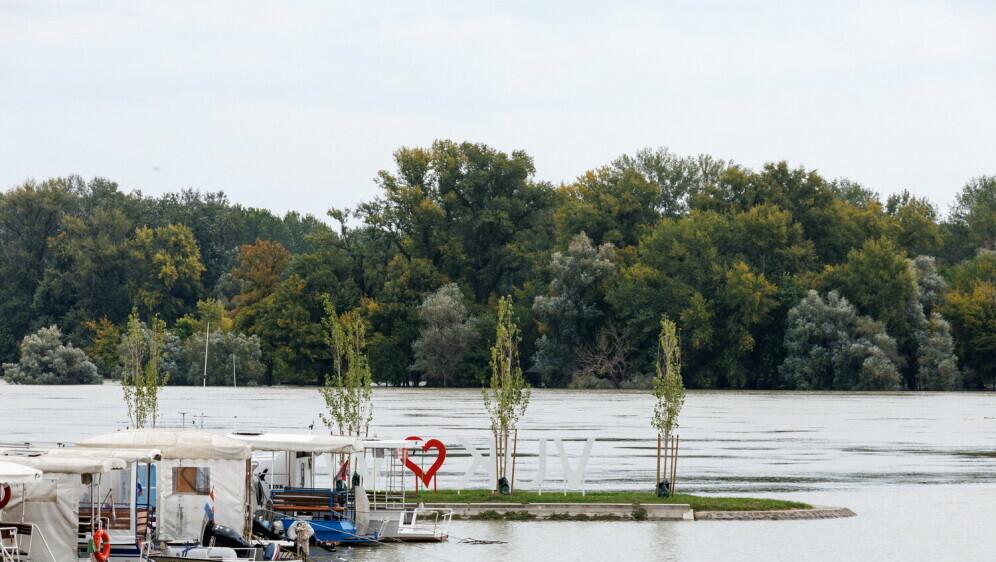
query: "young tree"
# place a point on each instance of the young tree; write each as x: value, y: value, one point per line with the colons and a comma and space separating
x: 141, y: 350
x: 347, y: 392
x: 44, y: 360
x: 446, y: 336
x: 508, y: 396
x: 669, y: 391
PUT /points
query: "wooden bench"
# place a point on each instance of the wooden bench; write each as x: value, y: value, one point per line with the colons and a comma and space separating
x: 303, y: 500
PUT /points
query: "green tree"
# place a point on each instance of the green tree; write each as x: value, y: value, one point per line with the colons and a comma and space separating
x: 975, y: 208
x: 347, y: 391
x: 30, y: 215
x: 142, y: 349
x: 879, y: 281
x: 45, y: 360
x: 260, y: 268
x: 972, y: 313
x: 573, y: 310
x: 914, y: 223
x: 288, y: 323
x: 830, y: 347
x: 674, y: 178
x: 87, y: 272
x: 612, y: 206
x: 103, y: 347
x: 227, y: 352
x: 937, y: 364
x: 668, y: 390
x: 395, y: 321
x: 165, y: 270
x: 446, y: 335
x: 507, y: 396
x: 469, y: 209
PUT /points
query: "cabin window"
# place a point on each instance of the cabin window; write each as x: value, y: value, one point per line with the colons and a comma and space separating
x: 191, y: 480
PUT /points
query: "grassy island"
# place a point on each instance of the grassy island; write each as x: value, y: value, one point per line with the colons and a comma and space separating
x: 697, y: 503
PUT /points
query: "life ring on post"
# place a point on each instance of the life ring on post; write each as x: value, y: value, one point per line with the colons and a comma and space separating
x: 101, y: 546
x: 4, y: 495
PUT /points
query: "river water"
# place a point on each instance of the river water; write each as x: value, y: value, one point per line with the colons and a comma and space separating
x: 917, y: 468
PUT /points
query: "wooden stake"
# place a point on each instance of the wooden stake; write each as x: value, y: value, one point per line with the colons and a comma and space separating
x: 515, y: 451
x: 674, y: 463
x: 658, y: 479
x: 497, y: 454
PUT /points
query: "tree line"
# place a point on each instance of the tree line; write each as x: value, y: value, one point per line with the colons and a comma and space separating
x: 776, y: 278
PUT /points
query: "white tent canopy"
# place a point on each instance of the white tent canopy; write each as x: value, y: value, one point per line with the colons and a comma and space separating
x: 392, y: 444
x: 213, y: 462
x: 127, y: 455
x: 14, y: 473
x: 174, y: 444
x: 68, y: 465
x: 300, y: 443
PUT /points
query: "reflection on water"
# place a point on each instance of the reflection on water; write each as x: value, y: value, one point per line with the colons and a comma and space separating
x: 918, y: 468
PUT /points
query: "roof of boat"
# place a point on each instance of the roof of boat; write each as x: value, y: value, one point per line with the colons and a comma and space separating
x: 68, y: 465
x: 391, y: 444
x: 127, y: 455
x: 14, y: 473
x: 173, y: 443
x: 300, y: 443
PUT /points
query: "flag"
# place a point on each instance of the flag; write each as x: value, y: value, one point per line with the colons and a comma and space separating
x: 209, y: 507
x: 343, y: 472
x: 110, y: 505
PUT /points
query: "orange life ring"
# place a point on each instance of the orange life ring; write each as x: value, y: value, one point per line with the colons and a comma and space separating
x: 101, y: 545
x: 4, y: 495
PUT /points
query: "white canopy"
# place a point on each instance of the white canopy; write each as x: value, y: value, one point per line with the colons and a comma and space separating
x: 68, y: 465
x: 127, y: 455
x: 13, y: 473
x: 392, y: 444
x: 300, y: 443
x: 173, y: 443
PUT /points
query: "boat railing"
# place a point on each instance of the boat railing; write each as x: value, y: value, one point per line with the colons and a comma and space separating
x: 13, y: 537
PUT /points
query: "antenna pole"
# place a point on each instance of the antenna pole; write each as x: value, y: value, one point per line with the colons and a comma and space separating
x: 207, y: 334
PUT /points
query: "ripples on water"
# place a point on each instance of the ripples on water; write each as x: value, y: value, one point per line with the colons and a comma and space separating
x: 917, y: 467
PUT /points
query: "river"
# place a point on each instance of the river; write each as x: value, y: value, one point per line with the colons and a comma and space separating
x: 917, y: 468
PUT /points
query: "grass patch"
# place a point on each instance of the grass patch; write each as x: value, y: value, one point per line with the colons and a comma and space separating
x: 698, y: 503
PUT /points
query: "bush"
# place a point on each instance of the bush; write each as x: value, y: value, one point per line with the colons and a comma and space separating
x: 44, y: 360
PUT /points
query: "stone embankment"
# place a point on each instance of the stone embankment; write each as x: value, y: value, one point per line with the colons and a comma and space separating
x: 627, y: 512
x: 817, y: 512
x: 571, y: 511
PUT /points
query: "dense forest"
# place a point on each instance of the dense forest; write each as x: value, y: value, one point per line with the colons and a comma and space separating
x: 778, y: 278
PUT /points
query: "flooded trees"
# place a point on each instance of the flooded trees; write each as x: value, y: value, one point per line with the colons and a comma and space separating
x: 45, y: 360
x: 508, y: 396
x: 669, y: 390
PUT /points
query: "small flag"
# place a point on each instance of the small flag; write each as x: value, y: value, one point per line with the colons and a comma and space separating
x: 110, y: 506
x: 343, y: 472
x: 209, y: 507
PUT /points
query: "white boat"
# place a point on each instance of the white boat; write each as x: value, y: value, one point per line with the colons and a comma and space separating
x: 197, y: 473
x: 52, y: 507
x: 383, y: 463
x: 17, y: 538
x: 291, y: 488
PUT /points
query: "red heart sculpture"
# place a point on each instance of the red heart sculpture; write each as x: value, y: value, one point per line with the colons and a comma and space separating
x: 427, y: 476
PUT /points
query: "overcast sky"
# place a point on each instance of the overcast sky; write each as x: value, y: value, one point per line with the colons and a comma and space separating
x: 296, y: 105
